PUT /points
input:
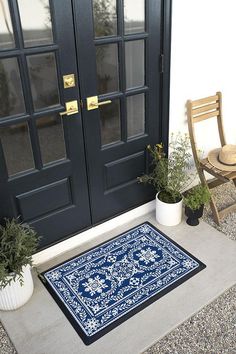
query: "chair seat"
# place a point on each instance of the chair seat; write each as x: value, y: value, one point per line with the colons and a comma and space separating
x: 198, y: 111
x: 225, y: 176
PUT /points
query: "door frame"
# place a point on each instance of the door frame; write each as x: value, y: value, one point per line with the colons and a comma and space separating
x: 166, y: 66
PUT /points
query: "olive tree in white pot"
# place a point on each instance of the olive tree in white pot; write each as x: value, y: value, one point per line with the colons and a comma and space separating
x: 170, y: 176
x: 18, y: 242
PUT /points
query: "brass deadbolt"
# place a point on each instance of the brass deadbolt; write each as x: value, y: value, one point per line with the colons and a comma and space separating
x: 69, y: 81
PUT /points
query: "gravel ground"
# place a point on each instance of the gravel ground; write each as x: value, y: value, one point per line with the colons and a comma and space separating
x: 211, y: 331
x: 6, y: 346
x: 225, y: 195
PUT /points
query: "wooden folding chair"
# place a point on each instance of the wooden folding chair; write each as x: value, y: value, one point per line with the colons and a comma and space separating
x: 198, y: 111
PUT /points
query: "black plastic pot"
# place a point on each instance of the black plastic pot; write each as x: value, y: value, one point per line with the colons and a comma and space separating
x: 193, y: 215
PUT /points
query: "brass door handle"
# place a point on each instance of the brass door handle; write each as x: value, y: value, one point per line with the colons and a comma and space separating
x: 92, y: 103
x: 104, y: 102
x: 71, y: 108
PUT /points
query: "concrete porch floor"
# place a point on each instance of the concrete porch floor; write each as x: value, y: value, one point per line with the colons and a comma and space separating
x: 41, y: 328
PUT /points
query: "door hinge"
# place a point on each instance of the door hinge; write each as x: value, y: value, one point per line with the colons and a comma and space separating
x: 162, y: 63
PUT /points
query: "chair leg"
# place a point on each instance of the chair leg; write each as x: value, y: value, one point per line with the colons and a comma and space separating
x: 216, y: 216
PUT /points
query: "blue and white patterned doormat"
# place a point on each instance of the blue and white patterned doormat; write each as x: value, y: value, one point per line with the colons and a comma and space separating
x: 103, y: 287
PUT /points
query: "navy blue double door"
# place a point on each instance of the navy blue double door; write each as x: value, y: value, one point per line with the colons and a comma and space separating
x: 84, y: 93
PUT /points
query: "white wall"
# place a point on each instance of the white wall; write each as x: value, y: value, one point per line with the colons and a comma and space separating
x: 203, y: 62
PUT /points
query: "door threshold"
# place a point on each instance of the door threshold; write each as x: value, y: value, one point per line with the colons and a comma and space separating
x: 90, y: 234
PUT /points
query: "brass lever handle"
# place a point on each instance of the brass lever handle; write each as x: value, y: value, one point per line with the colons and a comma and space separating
x: 103, y: 103
x: 71, y: 108
x: 92, y: 103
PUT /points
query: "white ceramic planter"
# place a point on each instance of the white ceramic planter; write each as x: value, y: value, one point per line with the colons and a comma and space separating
x: 168, y: 214
x: 14, y: 295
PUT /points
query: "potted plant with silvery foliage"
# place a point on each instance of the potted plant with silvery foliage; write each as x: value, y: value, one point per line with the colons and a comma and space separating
x: 194, y: 201
x: 170, y: 176
x: 18, y: 242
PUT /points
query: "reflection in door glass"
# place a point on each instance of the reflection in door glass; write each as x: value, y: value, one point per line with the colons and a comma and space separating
x: 105, y: 18
x: 134, y: 63
x: 37, y: 30
x: 17, y: 148
x: 11, y: 95
x: 107, y: 68
x: 43, y: 79
x: 135, y: 115
x: 110, y: 123
x: 51, y: 138
x: 134, y: 13
x: 6, y: 33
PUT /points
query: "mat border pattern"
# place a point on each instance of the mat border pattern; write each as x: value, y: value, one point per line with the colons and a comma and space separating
x: 89, y: 340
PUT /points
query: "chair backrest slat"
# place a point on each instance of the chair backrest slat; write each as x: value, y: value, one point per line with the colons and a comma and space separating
x: 200, y: 110
x: 205, y: 108
x: 205, y: 100
x: 205, y: 116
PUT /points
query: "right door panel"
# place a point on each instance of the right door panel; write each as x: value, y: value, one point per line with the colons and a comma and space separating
x: 119, y: 46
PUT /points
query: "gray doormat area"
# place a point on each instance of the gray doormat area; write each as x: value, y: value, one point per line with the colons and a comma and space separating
x: 211, y: 330
x: 6, y: 346
x: 224, y: 195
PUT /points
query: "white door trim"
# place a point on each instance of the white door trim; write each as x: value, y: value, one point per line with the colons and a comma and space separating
x: 94, y: 232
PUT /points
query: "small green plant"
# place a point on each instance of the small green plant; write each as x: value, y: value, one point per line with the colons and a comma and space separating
x: 170, y: 175
x: 196, y: 197
x: 18, y: 242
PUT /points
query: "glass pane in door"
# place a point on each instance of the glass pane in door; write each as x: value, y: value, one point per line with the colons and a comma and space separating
x: 51, y: 138
x: 134, y: 63
x: 6, y: 32
x: 16, y: 145
x: 134, y: 13
x: 11, y: 95
x: 135, y: 115
x: 43, y: 79
x: 110, y: 123
x: 107, y: 68
x: 36, y: 22
x: 105, y: 18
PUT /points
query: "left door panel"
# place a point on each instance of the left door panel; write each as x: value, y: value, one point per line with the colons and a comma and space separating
x: 43, y: 173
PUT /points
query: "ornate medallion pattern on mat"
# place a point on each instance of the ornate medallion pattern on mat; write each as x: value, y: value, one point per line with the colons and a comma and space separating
x: 116, y: 278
